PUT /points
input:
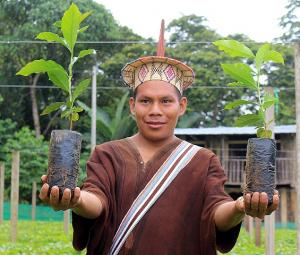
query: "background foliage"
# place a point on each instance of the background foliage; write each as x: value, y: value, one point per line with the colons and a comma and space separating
x: 189, y: 41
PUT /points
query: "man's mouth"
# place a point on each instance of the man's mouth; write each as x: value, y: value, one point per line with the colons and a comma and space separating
x: 155, y: 124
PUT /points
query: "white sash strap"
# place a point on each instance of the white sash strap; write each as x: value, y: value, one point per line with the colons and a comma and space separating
x: 178, y: 159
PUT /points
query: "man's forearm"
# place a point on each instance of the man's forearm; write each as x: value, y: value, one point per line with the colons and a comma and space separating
x: 228, y: 216
x: 88, y: 206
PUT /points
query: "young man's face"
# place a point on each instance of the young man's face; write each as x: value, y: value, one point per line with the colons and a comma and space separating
x: 156, y: 108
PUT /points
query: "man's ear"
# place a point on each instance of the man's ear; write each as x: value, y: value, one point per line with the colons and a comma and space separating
x: 183, y: 104
x: 132, y: 105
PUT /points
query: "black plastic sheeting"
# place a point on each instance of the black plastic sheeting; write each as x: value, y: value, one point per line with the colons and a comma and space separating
x: 63, y: 160
x: 260, y: 166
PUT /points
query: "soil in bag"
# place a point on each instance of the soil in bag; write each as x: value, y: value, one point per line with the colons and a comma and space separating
x: 63, y: 161
x: 260, y: 166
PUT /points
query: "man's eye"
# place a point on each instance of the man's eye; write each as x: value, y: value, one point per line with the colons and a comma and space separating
x: 144, y: 101
x: 166, y: 101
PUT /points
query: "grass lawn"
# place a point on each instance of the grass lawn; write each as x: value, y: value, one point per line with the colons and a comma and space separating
x: 41, y: 238
x: 37, y: 238
x: 285, y: 243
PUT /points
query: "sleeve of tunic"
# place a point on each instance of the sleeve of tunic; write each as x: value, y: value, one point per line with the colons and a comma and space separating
x: 215, y: 196
x: 100, y: 181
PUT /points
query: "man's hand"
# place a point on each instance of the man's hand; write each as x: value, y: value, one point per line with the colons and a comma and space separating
x: 66, y: 202
x: 256, y: 204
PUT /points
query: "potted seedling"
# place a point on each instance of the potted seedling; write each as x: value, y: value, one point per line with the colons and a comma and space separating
x: 261, y: 151
x: 65, y: 145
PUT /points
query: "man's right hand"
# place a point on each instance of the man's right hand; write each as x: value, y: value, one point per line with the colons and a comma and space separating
x: 66, y: 202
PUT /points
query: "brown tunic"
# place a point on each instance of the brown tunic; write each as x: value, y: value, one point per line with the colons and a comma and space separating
x: 181, y: 220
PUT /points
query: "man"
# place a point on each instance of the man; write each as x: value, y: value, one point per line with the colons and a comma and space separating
x: 153, y: 193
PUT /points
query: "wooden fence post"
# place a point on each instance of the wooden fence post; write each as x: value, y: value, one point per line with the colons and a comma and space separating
x: 14, y: 195
x: 2, y: 169
x: 66, y: 221
x: 251, y: 227
x: 257, y: 232
x: 283, y: 207
x: 33, y: 201
x: 270, y: 219
x: 297, y: 100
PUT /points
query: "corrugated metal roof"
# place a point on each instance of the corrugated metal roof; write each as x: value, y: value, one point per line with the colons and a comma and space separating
x: 284, y: 129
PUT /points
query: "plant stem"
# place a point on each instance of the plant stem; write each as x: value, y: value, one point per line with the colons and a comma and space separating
x: 258, y: 88
x: 70, y: 87
x: 259, y: 98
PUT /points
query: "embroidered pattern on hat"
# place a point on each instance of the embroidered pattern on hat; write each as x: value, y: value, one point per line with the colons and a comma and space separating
x: 156, y: 71
x: 178, y: 76
x: 143, y: 73
x: 169, y: 72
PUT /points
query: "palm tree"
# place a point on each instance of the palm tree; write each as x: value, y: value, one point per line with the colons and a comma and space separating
x: 116, y: 127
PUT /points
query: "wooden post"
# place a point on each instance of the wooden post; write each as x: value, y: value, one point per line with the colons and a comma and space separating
x: 2, y: 169
x: 246, y: 223
x: 251, y: 228
x: 14, y: 195
x: 270, y: 219
x: 297, y: 100
x: 94, y: 108
x: 66, y: 221
x: 283, y: 207
x: 257, y: 232
x: 33, y: 201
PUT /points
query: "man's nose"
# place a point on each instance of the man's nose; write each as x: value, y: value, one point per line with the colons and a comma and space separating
x: 155, y: 109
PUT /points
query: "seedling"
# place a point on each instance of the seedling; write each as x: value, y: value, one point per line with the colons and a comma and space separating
x: 70, y: 28
x: 65, y: 145
x: 249, y: 76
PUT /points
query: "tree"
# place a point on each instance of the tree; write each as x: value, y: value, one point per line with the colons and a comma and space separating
x: 119, y: 126
x: 290, y: 22
x: 206, y: 103
x: 33, y: 160
x: 7, y: 130
x: 23, y: 20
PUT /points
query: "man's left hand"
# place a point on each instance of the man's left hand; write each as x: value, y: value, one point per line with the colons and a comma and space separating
x: 256, y: 204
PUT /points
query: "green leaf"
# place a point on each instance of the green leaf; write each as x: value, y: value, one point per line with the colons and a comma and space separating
x: 69, y: 104
x: 52, y: 107
x: 104, y: 128
x: 56, y: 72
x: 85, y: 15
x: 249, y: 120
x: 264, y: 54
x: 70, y: 25
x: 39, y: 66
x: 84, y: 53
x: 59, y: 79
x: 269, y: 100
x: 238, y: 84
x: 81, y: 30
x: 275, y: 56
x: 50, y: 37
x: 80, y: 88
x: 235, y: 84
x: 234, y: 48
x: 75, y: 116
x: 261, y: 54
x: 119, y: 111
x: 263, y: 133
x: 57, y: 24
x: 241, y: 73
x: 66, y: 113
x: 237, y: 103
x: 77, y: 109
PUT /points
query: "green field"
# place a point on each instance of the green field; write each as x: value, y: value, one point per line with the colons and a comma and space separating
x: 41, y: 238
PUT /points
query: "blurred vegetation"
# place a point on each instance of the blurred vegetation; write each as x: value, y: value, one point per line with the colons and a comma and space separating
x: 23, y: 20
